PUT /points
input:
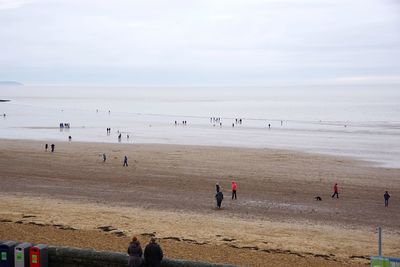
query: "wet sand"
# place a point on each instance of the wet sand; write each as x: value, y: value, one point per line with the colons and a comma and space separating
x: 169, y: 190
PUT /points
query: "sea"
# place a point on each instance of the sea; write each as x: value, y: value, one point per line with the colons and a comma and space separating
x: 361, y: 122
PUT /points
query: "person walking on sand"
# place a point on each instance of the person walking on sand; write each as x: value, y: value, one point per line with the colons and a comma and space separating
x: 125, y: 161
x: 52, y: 147
x: 335, y: 191
x: 386, y: 196
x: 104, y: 157
x: 46, y: 146
x: 153, y: 254
x: 135, y: 253
x: 219, y: 197
x: 234, y: 187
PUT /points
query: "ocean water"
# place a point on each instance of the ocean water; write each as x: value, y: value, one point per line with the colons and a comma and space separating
x: 361, y: 122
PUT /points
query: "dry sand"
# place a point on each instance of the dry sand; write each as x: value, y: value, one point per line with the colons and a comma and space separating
x: 168, y: 190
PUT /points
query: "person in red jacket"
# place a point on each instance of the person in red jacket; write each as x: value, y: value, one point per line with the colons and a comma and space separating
x: 234, y: 187
x: 335, y: 191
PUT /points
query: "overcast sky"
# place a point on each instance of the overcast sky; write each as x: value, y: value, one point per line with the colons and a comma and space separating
x: 203, y: 42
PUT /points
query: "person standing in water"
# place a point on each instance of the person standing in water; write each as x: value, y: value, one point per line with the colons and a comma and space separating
x: 125, y: 161
x: 52, y: 147
x: 46, y: 146
x: 104, y: 157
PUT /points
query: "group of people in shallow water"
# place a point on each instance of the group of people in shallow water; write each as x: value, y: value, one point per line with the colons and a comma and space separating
x: 238, y: 121
x: 151, y: 257
x: 64, y: 125
x: 184, y: 123
x: 119, y: 135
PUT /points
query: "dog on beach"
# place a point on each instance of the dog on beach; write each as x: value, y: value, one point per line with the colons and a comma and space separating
x: 318, y: 198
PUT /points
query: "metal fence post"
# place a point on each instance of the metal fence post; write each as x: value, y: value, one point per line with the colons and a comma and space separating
x: 379, y: 241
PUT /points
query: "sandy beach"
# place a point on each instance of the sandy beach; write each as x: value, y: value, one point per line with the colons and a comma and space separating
x: 62, y: 198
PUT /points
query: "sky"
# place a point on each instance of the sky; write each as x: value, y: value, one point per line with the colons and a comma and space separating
x: 203, y: 42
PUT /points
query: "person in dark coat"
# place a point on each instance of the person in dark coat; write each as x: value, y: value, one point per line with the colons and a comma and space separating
x: 135, y: 253
x: 52, y: 147
x: 386, y: 196
x: 217, y: 187
x: 219, y: 197
x: 153, y: 254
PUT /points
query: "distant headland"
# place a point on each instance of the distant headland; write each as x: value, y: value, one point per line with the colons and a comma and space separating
x: 10, y: 83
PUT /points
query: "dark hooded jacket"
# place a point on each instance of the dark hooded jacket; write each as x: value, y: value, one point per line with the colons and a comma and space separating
x: 153, y: 255
x: 219, y: 196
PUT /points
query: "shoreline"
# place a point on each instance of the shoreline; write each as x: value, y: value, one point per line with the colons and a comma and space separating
x: 170, y: 188
x: 370, y: 134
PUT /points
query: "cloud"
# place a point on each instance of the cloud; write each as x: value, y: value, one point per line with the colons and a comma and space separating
x: 369, y: 80
x: 12, y: 4
x: 237, y: 41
